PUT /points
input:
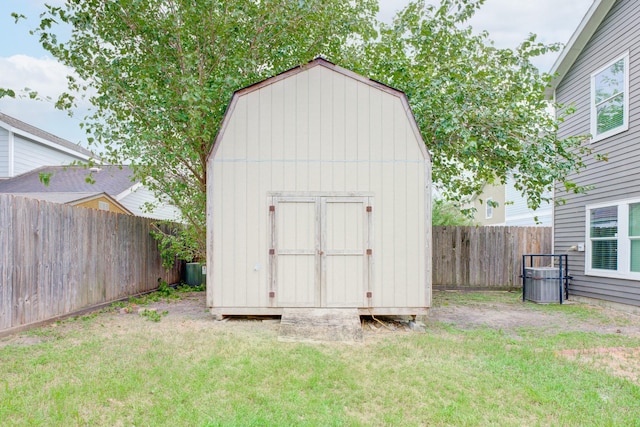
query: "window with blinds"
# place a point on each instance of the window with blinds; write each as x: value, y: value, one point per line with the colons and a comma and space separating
x: 604, y: 238
x: 614, y: 240
x: 609, y: 99
x: 634, y: 235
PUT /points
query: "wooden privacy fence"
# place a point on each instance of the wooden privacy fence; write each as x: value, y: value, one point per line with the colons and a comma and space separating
x: 57, y: 259
x: 484, y: 257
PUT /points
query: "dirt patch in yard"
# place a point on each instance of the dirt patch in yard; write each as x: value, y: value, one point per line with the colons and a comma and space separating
x: 496, y: 310
x: 510, y: 317
x: 619, y: 361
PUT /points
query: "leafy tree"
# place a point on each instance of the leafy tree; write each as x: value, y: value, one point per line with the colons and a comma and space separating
x: 161, y: 73
x: 481, y: 110
x: 444, y: 212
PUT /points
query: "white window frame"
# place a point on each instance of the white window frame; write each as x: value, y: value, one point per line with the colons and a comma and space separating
x: 594, y: 113
x: 624, y: 242
x: 488, y: 212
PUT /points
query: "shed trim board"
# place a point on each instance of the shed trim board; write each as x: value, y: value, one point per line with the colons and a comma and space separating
x: 318, y: 195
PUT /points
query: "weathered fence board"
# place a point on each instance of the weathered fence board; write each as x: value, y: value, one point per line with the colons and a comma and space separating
x: 484, y: 257
x: 57, y: 259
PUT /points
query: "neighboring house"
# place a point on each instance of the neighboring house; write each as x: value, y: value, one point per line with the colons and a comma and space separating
x: 319, y: 195
x: 24, y: 147
x: 98, y: 201
x: 512, y: 208
x: 598, y: 73
x: 111, y: 188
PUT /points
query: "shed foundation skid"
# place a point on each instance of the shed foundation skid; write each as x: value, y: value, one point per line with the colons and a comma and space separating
x: 222, y: 312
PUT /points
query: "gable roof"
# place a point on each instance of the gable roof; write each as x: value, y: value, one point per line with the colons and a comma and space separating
x: 17, y: 126
x: 110, y: 179
x: 73, y: 199
x: 319, y: 62
x: 587, y: 27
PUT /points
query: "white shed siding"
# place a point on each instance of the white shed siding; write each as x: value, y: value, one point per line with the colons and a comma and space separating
x: 318, y: 132
x: 4, y: 153
x: 29, y: 155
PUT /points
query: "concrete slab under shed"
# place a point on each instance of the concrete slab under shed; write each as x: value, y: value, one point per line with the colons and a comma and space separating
x: 320, y: 325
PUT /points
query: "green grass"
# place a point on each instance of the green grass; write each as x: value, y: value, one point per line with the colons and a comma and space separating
x: 123, y: 370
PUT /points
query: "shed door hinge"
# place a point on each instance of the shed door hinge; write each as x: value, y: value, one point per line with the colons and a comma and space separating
x: 369, y: 208
x: 272, y: 251
x: 369, y: 251
x: 272, y: 208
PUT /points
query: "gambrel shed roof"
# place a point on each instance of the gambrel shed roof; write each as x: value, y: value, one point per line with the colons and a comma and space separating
x: 321, y: 62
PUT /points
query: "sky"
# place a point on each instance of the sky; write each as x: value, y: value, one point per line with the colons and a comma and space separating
x: 23, y: 63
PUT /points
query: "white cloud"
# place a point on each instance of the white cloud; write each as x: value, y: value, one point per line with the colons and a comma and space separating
x: 49, y: 78
x: 510, y: 21
x: 44, y: 75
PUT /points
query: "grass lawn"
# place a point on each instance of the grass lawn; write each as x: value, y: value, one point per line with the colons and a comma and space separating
x: 113, y: 369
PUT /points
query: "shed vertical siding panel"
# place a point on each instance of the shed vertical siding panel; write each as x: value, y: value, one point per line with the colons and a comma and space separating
x: 228, y: 228
x: 256, y: 264
x: 245, y: 214
x: 289, y: 119
x: 326, y: 130
x: 392, y: 194
x: 351, y: 128
x: 302, y: 136
x: 315, y: 129
x: 339, y: 165
x: 363, y: 137
x: 378, y: 178
x: 402, y: 204
x: 613, y: 180
x: 275, y: 116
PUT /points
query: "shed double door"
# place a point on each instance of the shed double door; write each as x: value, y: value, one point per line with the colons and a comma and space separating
x: 320, y: 253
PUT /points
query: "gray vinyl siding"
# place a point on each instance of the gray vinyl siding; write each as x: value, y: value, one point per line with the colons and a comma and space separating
x: 4, y: 153
x: 619, y: 177
x: 29, y: 155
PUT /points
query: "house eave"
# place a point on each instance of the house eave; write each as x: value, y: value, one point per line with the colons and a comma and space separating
x: 587, y: 27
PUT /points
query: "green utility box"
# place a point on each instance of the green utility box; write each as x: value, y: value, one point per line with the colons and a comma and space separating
x: 195, y: 274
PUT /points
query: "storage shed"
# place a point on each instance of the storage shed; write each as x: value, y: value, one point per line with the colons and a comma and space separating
x: 318, y: 195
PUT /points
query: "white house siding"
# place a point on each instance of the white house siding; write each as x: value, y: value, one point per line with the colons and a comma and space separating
x: 4, y: 153
x: 29, y: 155
x: 517, y: 213
x: 135, y: 202
x: 318, y: 132
x: 614, y: 180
